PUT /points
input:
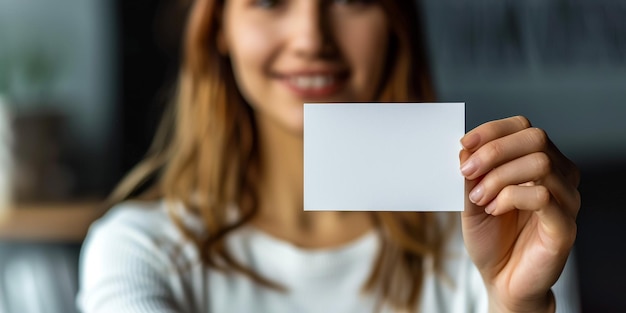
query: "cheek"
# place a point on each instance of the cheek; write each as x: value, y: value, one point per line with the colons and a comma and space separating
x: 365, y: 46
x: 374, y: 59
x: 250, y: 53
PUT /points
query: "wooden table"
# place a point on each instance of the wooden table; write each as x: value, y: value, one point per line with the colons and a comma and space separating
x: 49, y: 223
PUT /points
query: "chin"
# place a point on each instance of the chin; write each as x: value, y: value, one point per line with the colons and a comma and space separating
x: 288, y: 125
x: 296, y: 128
x: 294, y: 122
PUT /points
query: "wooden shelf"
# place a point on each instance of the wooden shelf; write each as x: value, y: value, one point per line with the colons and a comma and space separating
x: 49, y: 223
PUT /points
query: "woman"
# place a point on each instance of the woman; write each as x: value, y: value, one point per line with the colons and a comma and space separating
x: 219, y: 225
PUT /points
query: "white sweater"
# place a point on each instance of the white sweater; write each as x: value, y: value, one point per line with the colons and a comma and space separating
x: 136, y: 260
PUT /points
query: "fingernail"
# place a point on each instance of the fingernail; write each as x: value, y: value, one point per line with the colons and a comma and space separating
x: 470, y: 141
x: 491, y: 207
x: 476, y: 194
x: 469, y: 167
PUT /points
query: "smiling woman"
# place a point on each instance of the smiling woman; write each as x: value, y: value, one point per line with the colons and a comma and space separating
x: 220, y: 226
x: 282, y: 57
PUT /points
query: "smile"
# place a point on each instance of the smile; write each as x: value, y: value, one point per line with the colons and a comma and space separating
x: 311, y: 81
x: 314, y: 86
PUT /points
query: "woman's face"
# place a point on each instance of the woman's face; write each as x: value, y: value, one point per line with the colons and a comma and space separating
x: 288, y: 52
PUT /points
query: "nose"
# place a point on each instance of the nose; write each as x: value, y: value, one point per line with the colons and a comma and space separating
x: 310, y: 32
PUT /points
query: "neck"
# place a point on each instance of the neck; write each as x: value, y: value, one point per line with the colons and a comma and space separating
x: 281, y: 195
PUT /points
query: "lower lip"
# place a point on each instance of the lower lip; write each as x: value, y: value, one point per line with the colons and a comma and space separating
x: 317, y: 93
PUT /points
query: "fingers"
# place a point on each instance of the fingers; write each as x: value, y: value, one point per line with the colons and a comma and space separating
x: 558, y: 226
x: 536, y: 167
x: 527, y: 198
x: 501, y: 156
x: 537, y: 170
x: 496, y: 142
x: 493, y: 130
x: 504, y: 149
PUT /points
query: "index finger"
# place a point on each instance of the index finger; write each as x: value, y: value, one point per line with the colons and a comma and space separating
x: 489, y: 131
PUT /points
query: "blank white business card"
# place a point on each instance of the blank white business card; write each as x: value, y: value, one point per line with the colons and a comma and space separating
x: 383, y: 156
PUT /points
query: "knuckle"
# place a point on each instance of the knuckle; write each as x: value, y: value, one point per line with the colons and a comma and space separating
x: 542, y: 195
x: 538, y: 137
x: 494, y: 178
x: 494, y: 151
x: 523, y: 121
x: 543, y: 163
x: 506, y: 195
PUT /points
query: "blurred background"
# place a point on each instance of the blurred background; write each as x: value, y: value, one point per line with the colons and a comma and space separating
x: 83, y: 83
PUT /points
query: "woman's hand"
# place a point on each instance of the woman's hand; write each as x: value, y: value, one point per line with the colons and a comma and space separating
x: 519, y: 222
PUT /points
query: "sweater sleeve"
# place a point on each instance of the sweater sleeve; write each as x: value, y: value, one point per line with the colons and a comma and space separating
x: 565, y: 290
x: 123, y: 270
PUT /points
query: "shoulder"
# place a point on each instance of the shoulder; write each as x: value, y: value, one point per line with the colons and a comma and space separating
x: 135, y: 254
x: 137, y: 236
x: 137, y: 224
x: 150, y: 219
x: 139, y: 215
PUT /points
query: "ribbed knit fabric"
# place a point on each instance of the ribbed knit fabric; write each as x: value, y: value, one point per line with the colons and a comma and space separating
x: 135, y: 260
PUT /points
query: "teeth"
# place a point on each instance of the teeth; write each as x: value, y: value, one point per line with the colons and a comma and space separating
x: 312, y: 81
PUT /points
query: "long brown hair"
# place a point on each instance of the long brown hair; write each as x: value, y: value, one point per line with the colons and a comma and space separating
x: 205, y: 155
